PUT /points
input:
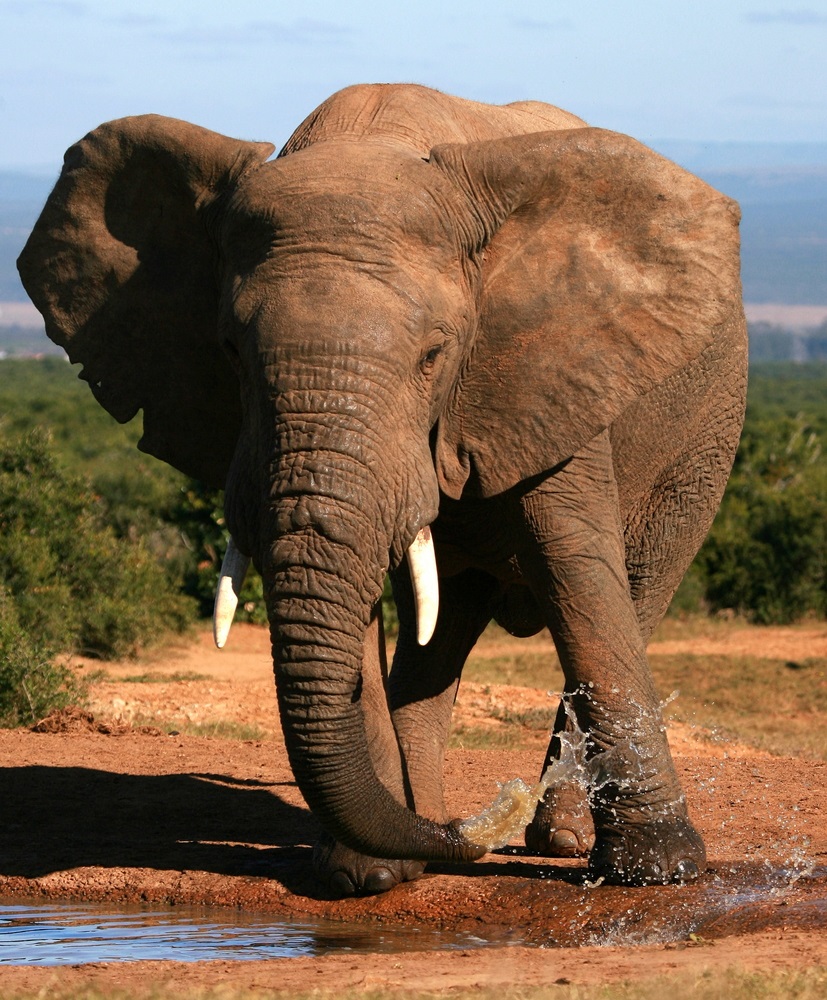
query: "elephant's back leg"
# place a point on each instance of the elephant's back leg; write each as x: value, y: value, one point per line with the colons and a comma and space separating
x: 673, y: 451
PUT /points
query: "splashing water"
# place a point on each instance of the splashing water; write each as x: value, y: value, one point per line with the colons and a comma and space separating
x: 513, y: 808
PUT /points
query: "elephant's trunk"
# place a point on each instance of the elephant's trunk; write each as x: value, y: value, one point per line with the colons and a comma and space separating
x: 318, y: 640
x: 424, y: 579
x: 332, y: 523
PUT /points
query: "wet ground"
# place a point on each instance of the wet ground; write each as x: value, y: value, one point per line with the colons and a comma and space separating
x: 736, y: 900
x: 103, y: 813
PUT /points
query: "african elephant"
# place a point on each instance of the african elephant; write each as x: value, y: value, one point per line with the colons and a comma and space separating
x: 490, y: 336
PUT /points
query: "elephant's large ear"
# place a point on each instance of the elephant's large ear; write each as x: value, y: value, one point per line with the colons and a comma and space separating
x: 122, y: 265
x: 605, y: 269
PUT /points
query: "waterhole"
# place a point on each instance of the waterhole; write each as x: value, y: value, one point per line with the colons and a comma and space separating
x: 551, y: 908
x: 76, y: 933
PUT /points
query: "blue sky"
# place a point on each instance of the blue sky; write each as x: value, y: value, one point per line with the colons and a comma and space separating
x: 715, y: 70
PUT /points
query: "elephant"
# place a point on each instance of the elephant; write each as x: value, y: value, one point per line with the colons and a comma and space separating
x: 492, y: 351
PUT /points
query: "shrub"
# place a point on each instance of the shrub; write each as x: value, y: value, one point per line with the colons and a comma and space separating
x: 198, y: 516
x: 31, y: 684
x: 766, y: 555
x: 74, y: 583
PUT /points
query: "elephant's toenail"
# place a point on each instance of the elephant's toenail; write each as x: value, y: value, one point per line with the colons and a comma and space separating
x: 414, y: 870
x: 341, y: 884
x: 564, y: 844
x: 379, y: 880
x: 686, y: 871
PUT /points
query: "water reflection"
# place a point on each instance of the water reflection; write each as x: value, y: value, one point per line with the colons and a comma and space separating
x: 70, y: 934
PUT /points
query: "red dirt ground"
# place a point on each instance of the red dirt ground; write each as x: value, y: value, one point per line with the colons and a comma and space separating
x: 108, y: 808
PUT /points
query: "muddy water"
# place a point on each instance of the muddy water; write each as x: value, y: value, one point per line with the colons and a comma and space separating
x: 513, y: 808
x: 71, y: 934
x: 547, y: 912
x: 740, y: 898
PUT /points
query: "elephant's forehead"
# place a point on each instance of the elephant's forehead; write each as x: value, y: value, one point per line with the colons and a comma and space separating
x: 349, y: 294
x: 343, y: 188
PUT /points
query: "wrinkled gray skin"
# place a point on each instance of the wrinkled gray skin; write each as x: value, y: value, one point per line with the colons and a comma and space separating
x: 496, y: 321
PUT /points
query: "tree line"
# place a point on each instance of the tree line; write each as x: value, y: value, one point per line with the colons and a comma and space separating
x: 104, y: 549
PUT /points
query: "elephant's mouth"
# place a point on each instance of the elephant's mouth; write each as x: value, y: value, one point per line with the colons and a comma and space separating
x: 421, y: 561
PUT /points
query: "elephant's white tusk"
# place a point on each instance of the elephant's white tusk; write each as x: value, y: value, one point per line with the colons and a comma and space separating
x: 422, y: 562
x: 231, y: 580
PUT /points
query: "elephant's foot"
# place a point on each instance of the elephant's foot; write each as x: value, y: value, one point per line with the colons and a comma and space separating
x: 562, y: 826
x: 347, y: 873
x: 645, y: 846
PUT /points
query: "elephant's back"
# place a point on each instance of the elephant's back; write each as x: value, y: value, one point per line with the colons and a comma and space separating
x: 420, y: 118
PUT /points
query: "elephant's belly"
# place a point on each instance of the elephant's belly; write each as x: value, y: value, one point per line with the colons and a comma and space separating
x: 474, y: 534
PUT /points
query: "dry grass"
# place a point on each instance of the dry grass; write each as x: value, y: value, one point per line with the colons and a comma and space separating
x: 487, y: 738
x: 159, y: 677
x: 216, y: 729
x: 775, y: 705
x: 732, y: 983
x: 223, y: 729
x: 524, y: 669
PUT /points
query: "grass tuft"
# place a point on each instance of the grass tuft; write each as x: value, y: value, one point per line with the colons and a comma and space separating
x: 219, y: 729
x: 487, y: 738
x: 159, y: 677
x: 764, y: 703
x: 771, y: 704
x: 539, y: 669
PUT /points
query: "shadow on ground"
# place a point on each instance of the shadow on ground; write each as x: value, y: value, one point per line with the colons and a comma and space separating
x: 222, y: 823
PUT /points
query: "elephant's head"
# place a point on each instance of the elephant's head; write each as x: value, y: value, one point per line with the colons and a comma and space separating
x: 338, y: 335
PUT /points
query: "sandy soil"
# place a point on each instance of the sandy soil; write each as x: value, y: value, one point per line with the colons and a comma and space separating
x: 107, y: 807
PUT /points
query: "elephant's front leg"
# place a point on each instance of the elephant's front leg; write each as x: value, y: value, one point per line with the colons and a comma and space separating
x: 347, y: 872
x: 422, y: 689
x: 571, y: 551
x: 424, y: 679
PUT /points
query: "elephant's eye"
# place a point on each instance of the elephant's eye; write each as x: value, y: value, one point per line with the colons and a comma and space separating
x: 428, y: 360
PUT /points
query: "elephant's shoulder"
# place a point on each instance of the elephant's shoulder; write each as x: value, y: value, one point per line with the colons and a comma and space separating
x: 420, y: 118
x: 539, y: 117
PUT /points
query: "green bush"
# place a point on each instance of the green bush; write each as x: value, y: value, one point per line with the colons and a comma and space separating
x: 31, y: 684
x: 197, y: 514
x: 178, y: 520
x: 75, y: 584
x: 766, y: 556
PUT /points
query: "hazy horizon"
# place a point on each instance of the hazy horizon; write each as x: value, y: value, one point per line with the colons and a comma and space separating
x: 716, y: 155
x: 713, y: 71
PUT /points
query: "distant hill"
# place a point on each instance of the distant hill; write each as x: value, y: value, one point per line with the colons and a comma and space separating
x: 783, y: 231
x: 703, y: 157
x: 782, y: 188
x: 18, y: 188
x: 21, y: 199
